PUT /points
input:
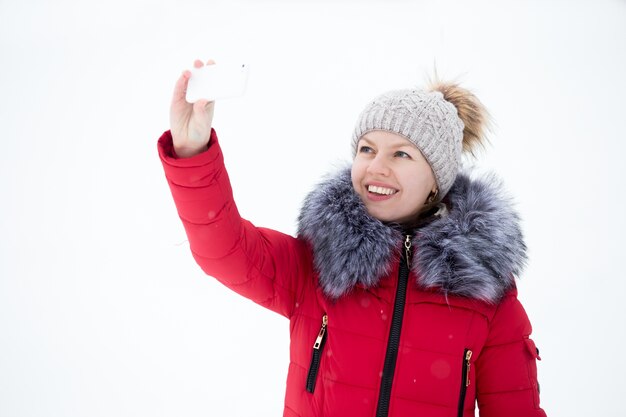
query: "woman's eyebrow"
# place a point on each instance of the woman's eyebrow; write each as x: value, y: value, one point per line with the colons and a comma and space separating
x: 393, y: 144
x: 398, y: 145
x: 404, y: 144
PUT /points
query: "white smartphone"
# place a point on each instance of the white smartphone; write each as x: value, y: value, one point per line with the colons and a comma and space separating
x: 217, y: 81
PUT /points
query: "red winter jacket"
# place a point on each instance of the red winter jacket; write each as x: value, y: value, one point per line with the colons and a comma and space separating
x: 377, y: 328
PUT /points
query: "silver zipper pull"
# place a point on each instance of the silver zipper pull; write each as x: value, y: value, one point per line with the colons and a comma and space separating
x: 407, y: 249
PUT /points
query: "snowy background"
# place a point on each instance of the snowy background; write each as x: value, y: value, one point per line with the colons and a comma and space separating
x: 103, y: 311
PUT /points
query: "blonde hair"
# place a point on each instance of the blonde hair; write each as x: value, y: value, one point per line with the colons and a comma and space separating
x: 470, y: 109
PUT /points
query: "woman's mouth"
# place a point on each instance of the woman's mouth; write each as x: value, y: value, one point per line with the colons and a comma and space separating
x: 381, y: 190
x: 378, y: 193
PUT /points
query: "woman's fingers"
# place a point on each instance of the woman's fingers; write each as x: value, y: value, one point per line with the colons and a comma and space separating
x: 180, y: 89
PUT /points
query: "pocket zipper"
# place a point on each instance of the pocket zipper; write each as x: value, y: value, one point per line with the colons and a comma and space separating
x: 465, y: 379
x: 318, y: 347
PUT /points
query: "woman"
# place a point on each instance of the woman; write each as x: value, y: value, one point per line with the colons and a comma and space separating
x: 400, y: 285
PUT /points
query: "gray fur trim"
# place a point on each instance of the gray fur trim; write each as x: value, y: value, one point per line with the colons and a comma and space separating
x: 349, y: 246
x: 478, y: 249
x: 475, y: 250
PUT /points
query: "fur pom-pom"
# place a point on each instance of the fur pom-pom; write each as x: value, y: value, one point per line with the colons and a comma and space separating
x: 471, y: 111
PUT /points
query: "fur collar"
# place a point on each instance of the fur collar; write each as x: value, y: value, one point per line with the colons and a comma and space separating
x: 473, y: 249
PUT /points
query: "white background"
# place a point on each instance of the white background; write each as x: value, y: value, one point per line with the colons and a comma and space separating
x: 103, y: 311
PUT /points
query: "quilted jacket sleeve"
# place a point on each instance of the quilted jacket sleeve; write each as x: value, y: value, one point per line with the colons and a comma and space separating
x: 506, y: 370
x: 261, y: 264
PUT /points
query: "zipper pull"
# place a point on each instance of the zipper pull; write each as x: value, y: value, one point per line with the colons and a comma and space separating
x: 468, y: 356
x: 407, y: 250
x: 320, y: 336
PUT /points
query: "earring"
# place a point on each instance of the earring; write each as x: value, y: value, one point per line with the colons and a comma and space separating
x: 432, y: 195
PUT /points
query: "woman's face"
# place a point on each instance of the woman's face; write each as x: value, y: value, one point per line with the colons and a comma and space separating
x: 391, y: 176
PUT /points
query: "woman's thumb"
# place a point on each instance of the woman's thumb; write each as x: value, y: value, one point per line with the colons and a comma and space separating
x: 199, y: 107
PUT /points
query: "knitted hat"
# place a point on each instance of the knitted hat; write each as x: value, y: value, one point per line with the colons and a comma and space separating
x: 431, y: 121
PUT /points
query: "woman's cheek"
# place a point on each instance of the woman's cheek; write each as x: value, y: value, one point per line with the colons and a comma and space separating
x: 356, y: 176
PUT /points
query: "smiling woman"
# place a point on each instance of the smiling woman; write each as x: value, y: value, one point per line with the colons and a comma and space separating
x: 395, y: 309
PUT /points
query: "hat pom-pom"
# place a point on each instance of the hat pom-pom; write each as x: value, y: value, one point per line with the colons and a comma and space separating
x: 471, y: 111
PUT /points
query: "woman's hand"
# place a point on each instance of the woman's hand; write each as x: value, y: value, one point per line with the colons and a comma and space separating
x: 190, y: 124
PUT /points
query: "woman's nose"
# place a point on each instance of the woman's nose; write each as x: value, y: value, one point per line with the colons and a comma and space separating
x: 378, y: 166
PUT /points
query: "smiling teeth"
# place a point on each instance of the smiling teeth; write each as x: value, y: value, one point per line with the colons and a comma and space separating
x: 380, y: 190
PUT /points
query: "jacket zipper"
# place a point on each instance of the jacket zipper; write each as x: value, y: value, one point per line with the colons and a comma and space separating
x: 394, y: 334
x: 318, y: 347
x: 465, y: 380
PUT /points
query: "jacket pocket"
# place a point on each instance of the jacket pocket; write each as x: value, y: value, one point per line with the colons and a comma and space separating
x: 465, y: 379
x: 532, y: 368
x: 318, y: 348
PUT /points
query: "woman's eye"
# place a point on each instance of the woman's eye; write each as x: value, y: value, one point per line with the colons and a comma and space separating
x: 365, y: 149
x: 402, y: 154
